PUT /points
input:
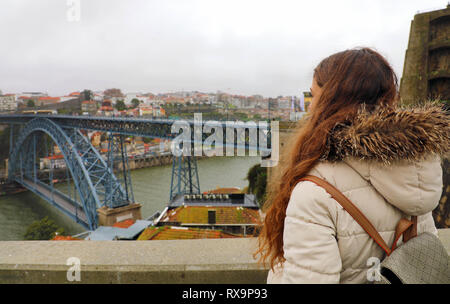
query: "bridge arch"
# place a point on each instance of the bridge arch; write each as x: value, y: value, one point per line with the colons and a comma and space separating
x: 94, y: 181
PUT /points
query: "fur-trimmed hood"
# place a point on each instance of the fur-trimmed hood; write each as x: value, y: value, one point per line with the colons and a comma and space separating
x: 389, y: 135
x: 398, y: 151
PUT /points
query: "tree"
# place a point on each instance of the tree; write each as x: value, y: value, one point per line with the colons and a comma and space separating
x: 135, y: 102
x: 4, y: 142
x: 257, y: 182
x: 120, y: 105
x: 86, y: 95
x: 45, y: 229
x: 30, y: 103
x: 260, y: 190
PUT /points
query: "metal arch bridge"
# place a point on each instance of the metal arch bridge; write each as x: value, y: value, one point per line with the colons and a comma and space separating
x: 95, y: 180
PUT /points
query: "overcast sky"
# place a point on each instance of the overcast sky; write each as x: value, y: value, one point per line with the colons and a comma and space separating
x: 242, y: 47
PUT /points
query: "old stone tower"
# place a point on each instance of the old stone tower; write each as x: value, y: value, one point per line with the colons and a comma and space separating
x: 426, y: 75
x: 426, y: 71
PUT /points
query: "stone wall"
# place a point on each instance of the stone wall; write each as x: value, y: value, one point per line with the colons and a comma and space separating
x: 425, y: 70
x: 224, y: 261
x: 181, y: 261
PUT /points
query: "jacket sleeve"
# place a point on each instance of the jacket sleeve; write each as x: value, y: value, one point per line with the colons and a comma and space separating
x: 310, y: 246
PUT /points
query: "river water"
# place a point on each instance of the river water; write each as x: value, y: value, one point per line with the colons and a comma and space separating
x: 151, y: 187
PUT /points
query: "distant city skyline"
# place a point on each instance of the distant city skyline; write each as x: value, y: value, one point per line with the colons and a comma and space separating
x: 247, y: 47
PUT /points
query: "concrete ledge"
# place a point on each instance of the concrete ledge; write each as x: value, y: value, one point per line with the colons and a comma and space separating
x: 211, y: 261
x: 181, y: 261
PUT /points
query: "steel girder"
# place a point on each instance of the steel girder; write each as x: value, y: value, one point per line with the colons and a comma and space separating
x: 184, y: 176
x: 152, y: 128
x: 87, y: 168
x: 117, y: 156
x: 107, y: 186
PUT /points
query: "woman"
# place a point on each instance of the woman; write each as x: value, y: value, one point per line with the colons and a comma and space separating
x: 386, y: 160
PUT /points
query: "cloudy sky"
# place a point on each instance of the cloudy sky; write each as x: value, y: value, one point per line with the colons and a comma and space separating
x: 239, y: 46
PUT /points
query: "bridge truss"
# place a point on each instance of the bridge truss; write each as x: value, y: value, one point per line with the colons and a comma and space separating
x: 92, y: 180
x: 95, y: 184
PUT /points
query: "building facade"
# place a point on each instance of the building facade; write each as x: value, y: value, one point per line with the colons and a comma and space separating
x: 8, y: 103
x: 89, y: 106
x: 426, y: 71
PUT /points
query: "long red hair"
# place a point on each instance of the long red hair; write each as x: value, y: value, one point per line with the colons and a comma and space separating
x: 348, y: 80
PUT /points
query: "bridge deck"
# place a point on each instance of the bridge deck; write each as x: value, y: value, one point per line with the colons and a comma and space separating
x: 146, y: 127
x: 57, y: 199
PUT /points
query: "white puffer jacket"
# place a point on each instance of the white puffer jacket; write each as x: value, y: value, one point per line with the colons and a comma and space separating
x: 389, y: 170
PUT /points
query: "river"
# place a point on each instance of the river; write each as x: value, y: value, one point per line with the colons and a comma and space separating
x: 151, y: 188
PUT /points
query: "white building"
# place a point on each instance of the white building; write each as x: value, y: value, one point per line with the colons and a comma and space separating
x: 8, y: 103
x: 98, y: 96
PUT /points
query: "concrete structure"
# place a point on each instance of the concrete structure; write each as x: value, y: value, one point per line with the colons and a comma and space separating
x: 426, y: 71
x: 286, y: 131
x: 67, y: 106
x: 8, y: 103
x: 47, y: 100
x: 224, y: 261
x: 89, y: 106
x: 179, y: 261
x: 110, y: 216
x: 426, y: 75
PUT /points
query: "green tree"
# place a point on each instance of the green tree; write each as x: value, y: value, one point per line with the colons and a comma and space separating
x: 86, y: 95
x: 257, y: 182
x: 4, y: 142
x: 30, y: 103
x: 120, y: 105
x: 260, y: 190
x: 45, y: 229
x: 135, y: 102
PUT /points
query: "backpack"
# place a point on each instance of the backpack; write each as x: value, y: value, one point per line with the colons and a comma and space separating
x: 420, y: 259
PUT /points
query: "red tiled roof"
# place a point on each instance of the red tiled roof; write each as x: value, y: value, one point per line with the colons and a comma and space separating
x: 56, y: 156
x: 124, y: 224
x: 65, y: 238
x: 178, y: 233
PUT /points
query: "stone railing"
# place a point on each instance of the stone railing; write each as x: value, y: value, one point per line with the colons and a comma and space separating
x: 180, y: 261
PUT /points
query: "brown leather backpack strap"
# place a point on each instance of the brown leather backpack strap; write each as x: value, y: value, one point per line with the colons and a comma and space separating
x: 403, y: 226
x: 411, y: 231
x: 357, y: 215
x: 407, y: 228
